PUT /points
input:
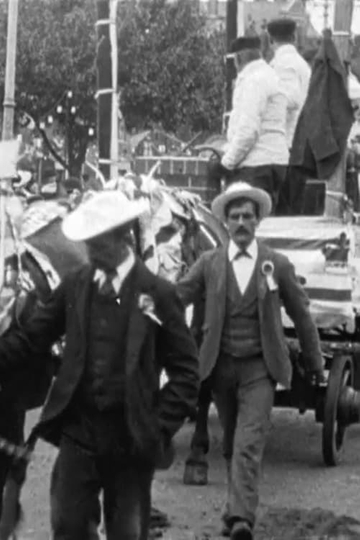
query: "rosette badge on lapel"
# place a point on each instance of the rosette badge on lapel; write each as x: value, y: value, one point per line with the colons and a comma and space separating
x: 147, y: 306
x: 267, y: 269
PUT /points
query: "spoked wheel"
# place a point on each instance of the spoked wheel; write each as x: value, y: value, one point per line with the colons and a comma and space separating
x: 341, y: 380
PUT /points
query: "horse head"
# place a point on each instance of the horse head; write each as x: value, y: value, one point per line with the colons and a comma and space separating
x: 176, y: 229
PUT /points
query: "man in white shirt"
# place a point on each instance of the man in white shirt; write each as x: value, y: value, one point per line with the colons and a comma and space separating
x: 243, y: 351
x: 294, y: 74
x: 256, y: 150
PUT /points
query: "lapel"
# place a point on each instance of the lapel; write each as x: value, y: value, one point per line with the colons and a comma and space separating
x: 219, y: 273
x: 143, y: 283
x: 83, y: 297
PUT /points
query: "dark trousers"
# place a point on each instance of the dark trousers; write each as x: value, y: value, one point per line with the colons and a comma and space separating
x: 244, y: 395
x: 78, y: 477
x: 292, y: 193
x: 267, y: 177
x: 12, y: 420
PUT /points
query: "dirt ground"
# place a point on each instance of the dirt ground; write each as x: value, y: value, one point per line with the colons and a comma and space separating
x: 300, y: 497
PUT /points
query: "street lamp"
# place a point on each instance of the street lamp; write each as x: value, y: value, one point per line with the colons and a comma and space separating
x: 9, y: 102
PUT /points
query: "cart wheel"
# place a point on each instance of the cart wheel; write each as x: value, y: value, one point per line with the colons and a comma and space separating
x: 341, y: 375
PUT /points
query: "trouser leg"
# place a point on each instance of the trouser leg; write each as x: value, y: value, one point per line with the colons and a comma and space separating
x: 255, y: 402
x: 291, y: 200
x: 225, y: 398
x: 127, y: 499
x: 12, y: 420
x: 74, y: 492
x: 267, y: 177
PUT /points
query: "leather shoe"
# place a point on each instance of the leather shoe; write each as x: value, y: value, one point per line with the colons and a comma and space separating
x: 241, y: 530
x: 226, y: 528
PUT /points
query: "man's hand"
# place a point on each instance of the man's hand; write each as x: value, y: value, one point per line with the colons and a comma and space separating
x: 217, y: 172
x: 166, y: 453
x: 316, y: 378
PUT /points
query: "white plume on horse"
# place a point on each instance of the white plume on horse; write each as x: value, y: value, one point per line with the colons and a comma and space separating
x: 162, y: 258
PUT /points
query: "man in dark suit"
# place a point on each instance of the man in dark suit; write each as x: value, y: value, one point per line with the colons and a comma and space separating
x: 105, y: 410
x: 243, y: 349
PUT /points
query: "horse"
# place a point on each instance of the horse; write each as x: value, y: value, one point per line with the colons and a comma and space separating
x: 169, y: 238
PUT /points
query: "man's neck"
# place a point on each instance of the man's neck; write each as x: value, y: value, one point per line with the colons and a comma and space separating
x: 243, y: 246
x: 277, y: 46
x: 247, y: 64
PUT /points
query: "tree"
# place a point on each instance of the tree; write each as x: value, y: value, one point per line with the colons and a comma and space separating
x: 171, y: 67
x: 55, y: 55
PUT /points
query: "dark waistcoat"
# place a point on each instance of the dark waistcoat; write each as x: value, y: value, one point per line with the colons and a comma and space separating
x: 96, y: 416
x: 103, y: 380
x: 241, y: 331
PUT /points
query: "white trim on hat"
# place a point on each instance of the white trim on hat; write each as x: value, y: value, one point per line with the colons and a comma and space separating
x: 101, y: 213
x: 238, y: 190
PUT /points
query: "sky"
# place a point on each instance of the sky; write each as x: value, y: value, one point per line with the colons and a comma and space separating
x: 316, y: 9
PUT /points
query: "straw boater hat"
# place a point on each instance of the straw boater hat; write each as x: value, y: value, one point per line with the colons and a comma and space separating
x: 239, y: 190
x: 101, y: 213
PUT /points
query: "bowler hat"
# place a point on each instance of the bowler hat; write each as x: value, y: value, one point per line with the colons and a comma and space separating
x: 281, y: 28
x: 246, y: 42
x: 241, y: 190
x: 102, y: 212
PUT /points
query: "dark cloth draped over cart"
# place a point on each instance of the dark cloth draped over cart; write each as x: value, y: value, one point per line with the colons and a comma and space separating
x: 325, y: 121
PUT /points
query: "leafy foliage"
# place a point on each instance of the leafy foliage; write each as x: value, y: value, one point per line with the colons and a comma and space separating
x: 171, y: 68
x: 56, y: 50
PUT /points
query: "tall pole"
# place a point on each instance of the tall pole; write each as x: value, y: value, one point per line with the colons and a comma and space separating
x: 8, y: 115
x: 9, y: 101
x: 231, y: 34
x: 114, y: 144
x: 107, y: 116
x: 104, y: 86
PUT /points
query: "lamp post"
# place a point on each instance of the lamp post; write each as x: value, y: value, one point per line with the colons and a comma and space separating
x: 9, y: 101
x: 107, y: 113
x: 231, y: 34
x: 8, y: 116
x: 69, y: 110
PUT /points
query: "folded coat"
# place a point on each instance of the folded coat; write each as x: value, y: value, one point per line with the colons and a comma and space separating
x: 326, y: 119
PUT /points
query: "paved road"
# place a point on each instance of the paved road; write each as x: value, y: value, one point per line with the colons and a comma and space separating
x: 300, y: 497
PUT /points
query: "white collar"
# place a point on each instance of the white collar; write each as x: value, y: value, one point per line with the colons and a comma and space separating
x: 285, y: 49
x: 233, y: 250
x: 121, y: 272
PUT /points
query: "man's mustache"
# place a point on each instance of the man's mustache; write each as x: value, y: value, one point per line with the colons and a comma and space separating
x: 241, y: 229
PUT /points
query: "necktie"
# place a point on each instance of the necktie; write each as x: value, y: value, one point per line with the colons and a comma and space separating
x: 242, y: 253
x: 107, y: 287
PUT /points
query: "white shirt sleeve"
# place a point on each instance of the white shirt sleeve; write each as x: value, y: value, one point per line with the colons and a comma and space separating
x: 290, y: 85
x: 245, y: 120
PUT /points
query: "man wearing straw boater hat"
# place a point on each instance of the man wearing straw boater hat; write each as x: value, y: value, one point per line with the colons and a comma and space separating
x: 105, y: 411
x: 243, y: 351
x: 256, y: 149
x: 294, y: 74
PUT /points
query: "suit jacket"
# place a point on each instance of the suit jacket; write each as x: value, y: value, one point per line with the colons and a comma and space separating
x: 326, y: 118
x: 150, y: 411
x: 208, y: 278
